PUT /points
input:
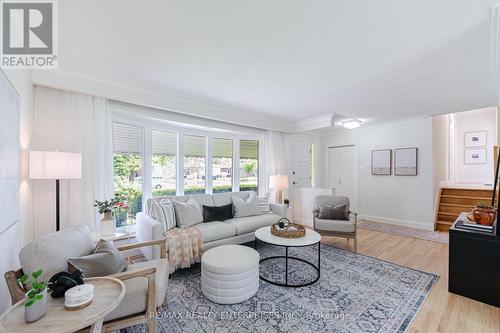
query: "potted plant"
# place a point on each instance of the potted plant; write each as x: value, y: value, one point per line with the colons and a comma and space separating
x: 484, y: 214
x: 286, y: 202
x: 35, y: 304
x: 106, y: 209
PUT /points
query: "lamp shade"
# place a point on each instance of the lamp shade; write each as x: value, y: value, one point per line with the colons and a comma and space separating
x: 278, y: 182
x: 55, y: 165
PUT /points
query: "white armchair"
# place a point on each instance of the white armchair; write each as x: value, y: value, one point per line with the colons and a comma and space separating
x: 345, y: 222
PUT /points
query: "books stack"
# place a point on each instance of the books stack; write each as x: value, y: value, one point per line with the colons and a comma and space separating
x: 465, y: 224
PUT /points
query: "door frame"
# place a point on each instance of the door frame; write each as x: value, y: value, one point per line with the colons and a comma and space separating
x: 355, y: 183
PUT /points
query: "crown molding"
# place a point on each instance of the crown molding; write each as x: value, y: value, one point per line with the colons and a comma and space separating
x: 83, y: 81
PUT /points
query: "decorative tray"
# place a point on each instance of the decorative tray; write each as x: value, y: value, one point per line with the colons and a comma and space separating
x: 286, y: 229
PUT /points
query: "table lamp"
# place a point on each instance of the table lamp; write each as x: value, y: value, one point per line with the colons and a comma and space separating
x: 55, y: 165
x: 279, y: 183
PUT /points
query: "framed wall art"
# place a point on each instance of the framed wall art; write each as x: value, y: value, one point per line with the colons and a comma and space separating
x: 475, y: 139
x: 381, y: 162
x: 475, y: 156
x: 405, y: 161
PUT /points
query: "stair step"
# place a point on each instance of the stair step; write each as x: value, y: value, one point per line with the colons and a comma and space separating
x: 449, y: 214
x: 467, y: 192
x: 443, y: 225
x: 449, y: 223
x: 465, y: 197
x: 455, y: 205
x: 454, y: 208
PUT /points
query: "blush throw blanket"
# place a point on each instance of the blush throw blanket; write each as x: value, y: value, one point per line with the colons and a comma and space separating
x: 185, y: 247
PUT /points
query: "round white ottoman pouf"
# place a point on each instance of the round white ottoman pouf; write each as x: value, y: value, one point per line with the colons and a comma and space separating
x: 230, y: 274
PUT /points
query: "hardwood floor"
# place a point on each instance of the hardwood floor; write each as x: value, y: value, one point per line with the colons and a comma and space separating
x: 442, y: 311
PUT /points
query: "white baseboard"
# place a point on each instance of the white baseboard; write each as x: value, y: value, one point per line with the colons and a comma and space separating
x: 402, y: 223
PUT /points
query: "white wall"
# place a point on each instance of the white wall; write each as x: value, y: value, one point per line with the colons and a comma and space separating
x: 441, y: 150
x: 12, y: 239
x: 403, y: 200
x: 473, y: 121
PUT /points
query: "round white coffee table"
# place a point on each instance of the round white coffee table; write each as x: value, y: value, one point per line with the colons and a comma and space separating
x: 311, y: 238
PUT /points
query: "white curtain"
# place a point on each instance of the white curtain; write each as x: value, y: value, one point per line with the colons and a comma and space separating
x: 77, y: 123
x: 277, y: 156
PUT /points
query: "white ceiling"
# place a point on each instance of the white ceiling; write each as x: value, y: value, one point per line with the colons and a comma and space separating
x: 291, y: 59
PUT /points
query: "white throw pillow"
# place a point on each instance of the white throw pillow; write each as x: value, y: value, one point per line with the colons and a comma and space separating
x: 188, y: 213
x: 248, y: 207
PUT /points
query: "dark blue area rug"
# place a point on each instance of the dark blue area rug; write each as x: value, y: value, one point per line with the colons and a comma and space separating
x: 355, y: 293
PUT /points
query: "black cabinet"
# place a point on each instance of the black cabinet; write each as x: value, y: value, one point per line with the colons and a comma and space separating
x: 474, y: 265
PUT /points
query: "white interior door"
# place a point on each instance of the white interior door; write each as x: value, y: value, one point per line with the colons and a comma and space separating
x: 301, y: 164
x: 341, y: 170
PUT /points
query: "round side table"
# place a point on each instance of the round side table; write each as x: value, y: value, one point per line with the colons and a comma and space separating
x: 311, y: 238
x: 108, y: 293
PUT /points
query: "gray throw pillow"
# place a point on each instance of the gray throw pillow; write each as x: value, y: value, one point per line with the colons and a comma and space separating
x: 188, y: 213
x: 105, y: 261
x: 333, y: 212
x: 248, y: 207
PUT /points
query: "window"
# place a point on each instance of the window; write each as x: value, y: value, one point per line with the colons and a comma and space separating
x: 194, y: 164
x: 222, y: 165
x: 249, y: 165
x: 127, y: 164
x: 164, y: 163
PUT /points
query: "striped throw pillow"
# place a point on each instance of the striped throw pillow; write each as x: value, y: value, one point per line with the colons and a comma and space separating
x: 162, y: 210
x: 264, y: 205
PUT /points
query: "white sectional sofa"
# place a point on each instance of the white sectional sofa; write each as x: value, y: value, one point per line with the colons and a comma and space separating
x: 237, y: 230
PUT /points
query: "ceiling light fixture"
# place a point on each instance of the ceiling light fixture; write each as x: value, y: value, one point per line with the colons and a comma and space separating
x: 351, y: 124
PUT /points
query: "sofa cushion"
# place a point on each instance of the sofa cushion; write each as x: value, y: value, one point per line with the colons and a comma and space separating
x: 201, y: 199
x: 213, y: 231
x: 188, y: 213
x: 106, y: 260
x: 135, y: 299
x: 248, y: 224
x: 50, y: 252
x: 334, y: 225
x: 162, y: 210
x: 248, y: 207
x: 221, y: 199
x: 217, y: 213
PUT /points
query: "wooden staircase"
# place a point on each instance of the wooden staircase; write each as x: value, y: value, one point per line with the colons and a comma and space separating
x: 453, y: 201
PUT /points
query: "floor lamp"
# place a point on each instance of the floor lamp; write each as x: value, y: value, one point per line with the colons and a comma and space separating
x: 55, y: 165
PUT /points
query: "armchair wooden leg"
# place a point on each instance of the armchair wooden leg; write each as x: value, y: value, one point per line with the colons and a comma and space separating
x: 151, y: 323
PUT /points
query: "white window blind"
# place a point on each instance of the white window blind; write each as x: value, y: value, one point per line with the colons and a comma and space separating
x: 127, y: 139
x: 249, y: 149
x: 164, y: 143
x: 194, y: 146
x: 222, y: 147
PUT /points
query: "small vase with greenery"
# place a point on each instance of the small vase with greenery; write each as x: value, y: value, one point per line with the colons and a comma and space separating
x: 36, y: 298
x: 286, y: 202
x: 106, y: 209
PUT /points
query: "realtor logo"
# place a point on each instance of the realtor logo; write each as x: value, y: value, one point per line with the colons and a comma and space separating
x: 29, y: 34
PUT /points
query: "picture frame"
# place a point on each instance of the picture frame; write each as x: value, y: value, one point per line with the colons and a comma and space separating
x: 475, y: 156
x: 381, y: 162
x: 475, y: 139
x: 406, y: 161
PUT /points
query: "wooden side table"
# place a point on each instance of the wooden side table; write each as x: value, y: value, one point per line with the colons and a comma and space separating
x: 108, y: 293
